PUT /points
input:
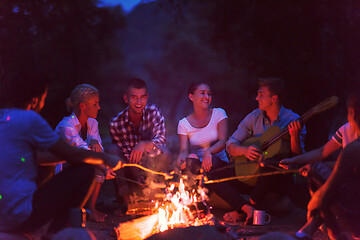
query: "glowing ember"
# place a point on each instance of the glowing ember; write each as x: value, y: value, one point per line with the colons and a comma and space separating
x: 179, y: 209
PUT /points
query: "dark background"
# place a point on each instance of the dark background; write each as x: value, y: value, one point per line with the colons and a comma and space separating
x: 312, y: 44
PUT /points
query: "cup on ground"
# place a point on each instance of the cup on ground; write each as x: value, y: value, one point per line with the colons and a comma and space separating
x: 261, y: 217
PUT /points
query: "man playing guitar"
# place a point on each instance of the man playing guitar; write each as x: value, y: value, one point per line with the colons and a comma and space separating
x: 270, y: 189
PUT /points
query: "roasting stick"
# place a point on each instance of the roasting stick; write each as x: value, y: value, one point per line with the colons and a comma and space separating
x: 167, y: 176
x: 250, y: 176
x: 130, y: 180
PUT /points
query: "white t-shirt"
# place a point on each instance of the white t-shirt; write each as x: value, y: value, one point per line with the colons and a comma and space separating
x: 345, y: 135
x: 202, y: 138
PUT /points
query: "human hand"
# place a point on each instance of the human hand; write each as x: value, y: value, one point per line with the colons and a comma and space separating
x: 304, y: 171
x: 294, y: 128
x: 252, y: 153
x: 137, y: 152
x: 95, y: 146
x: 113, y: 161
x: 109, y: 174
x: 285, y: 163
x: 207, y: 161
x: 181, y: 162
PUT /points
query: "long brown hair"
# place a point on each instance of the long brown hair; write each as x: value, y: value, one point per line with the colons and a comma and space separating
x: 354, y: 102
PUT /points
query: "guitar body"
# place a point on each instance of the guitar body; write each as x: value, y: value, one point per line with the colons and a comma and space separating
x: 279, y: 149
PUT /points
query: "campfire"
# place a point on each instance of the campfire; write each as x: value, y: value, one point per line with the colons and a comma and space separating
x: 179, y: 208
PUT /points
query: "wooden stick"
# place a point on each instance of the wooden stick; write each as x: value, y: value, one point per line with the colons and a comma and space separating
x: 129, y: 180
x: 251, y: 176
x: 166, y: 175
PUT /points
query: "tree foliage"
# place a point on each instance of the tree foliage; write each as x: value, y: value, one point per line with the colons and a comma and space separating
x: 68, y: 40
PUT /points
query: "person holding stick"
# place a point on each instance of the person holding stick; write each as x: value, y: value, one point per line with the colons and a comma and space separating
x: 25, y: 138
x: 138, y: 135
x: 80, y: 129
x: 335, y: 193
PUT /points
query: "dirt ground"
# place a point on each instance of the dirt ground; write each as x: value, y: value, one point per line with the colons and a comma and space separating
x: 288, y: 223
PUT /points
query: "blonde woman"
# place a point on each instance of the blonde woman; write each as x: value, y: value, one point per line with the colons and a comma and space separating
x: 80, y: 129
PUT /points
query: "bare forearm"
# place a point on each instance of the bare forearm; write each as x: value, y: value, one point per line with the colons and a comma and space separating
x: 150, y: 144
x: 296, y: 145
x: 235, y: 149
x: 309, y: 157
x: 217, y: 147
x: 183, y: 144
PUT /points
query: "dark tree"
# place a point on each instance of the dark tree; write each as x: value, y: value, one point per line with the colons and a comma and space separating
x: 68, y: 40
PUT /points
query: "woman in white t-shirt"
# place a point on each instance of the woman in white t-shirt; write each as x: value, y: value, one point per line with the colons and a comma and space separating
x: 204, y: 131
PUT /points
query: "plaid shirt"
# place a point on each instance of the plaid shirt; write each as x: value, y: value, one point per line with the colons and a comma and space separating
x: 126, y: 136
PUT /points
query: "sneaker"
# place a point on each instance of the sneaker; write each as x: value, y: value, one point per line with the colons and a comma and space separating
x: 301, y: 238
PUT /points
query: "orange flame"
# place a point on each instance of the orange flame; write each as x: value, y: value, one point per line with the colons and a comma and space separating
x: 174, y: 211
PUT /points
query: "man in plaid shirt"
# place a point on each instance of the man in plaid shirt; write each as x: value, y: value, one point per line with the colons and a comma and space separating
x: 139, y: 132
x: 139, y: 129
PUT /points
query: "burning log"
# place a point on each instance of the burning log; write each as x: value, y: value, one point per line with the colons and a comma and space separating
x: 154, y: 185
x: 137, y: 229
x: 144, y: 227
x: 142, y: 208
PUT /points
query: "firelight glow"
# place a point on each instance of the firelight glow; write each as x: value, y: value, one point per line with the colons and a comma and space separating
x: 173, y: 212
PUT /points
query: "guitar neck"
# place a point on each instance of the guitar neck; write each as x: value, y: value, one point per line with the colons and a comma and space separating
x: 278, y: 136
x: 321, y: 107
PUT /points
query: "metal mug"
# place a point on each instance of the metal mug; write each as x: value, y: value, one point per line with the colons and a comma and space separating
x: 260, y: 217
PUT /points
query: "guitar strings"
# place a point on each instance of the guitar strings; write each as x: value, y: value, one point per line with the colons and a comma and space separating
x: 274, y: 138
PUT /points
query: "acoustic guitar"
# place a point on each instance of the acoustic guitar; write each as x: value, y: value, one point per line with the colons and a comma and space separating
x: 274, y: 142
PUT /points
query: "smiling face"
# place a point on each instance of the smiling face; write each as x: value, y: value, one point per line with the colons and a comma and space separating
x: 90, y: 107
x: 202, y: 96
x: 136, y: 99
x: 265, y: 98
